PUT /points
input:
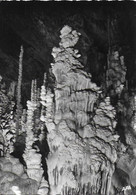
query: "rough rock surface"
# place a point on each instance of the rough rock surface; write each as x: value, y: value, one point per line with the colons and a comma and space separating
x: 81, y: 125
x: 39, y: 33
x: 31, y: 156
x: 7, y: 124
x: 12, y: 174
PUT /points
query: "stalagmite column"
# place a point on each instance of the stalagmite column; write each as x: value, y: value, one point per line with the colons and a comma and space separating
x: 43, y: 109
x: 20, y: 77
x: 31, y: 156
x: 19, y: 107
x: 80, y: 125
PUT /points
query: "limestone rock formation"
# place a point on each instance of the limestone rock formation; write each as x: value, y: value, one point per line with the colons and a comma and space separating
x: 13, y: 178
x: 81, y: 126
x: 116, y: 73
x: 19, y: 86
x: 31, y: 156
x: 7, y: 123
x: 43, y: 188
x: 71, y: 118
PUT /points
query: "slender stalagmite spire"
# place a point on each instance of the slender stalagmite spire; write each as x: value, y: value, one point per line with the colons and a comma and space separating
x: 18, y: 116
x: 20, y: 76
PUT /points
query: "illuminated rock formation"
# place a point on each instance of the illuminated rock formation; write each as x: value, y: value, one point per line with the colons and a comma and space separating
x: 13, y: 178
x: 80, y: 125
x: 43, y: 109
x: 7, y: 123
x: 44, y: 187
x: 19, y: 85
x: 31, y: 156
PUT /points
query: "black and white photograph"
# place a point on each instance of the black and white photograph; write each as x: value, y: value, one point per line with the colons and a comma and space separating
x: 67, y: 98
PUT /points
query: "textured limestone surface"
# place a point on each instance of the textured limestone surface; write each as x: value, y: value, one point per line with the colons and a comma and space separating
x: 7, y: 124
x: 81, y: 126
x: 12, y: 174
x: 32, y: 159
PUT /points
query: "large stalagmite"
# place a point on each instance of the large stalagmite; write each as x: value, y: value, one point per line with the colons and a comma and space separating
x: 81, y: 126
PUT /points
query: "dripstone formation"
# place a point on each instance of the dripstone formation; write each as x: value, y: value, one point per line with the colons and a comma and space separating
x: 81, y: 126
x: 67, y: 141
